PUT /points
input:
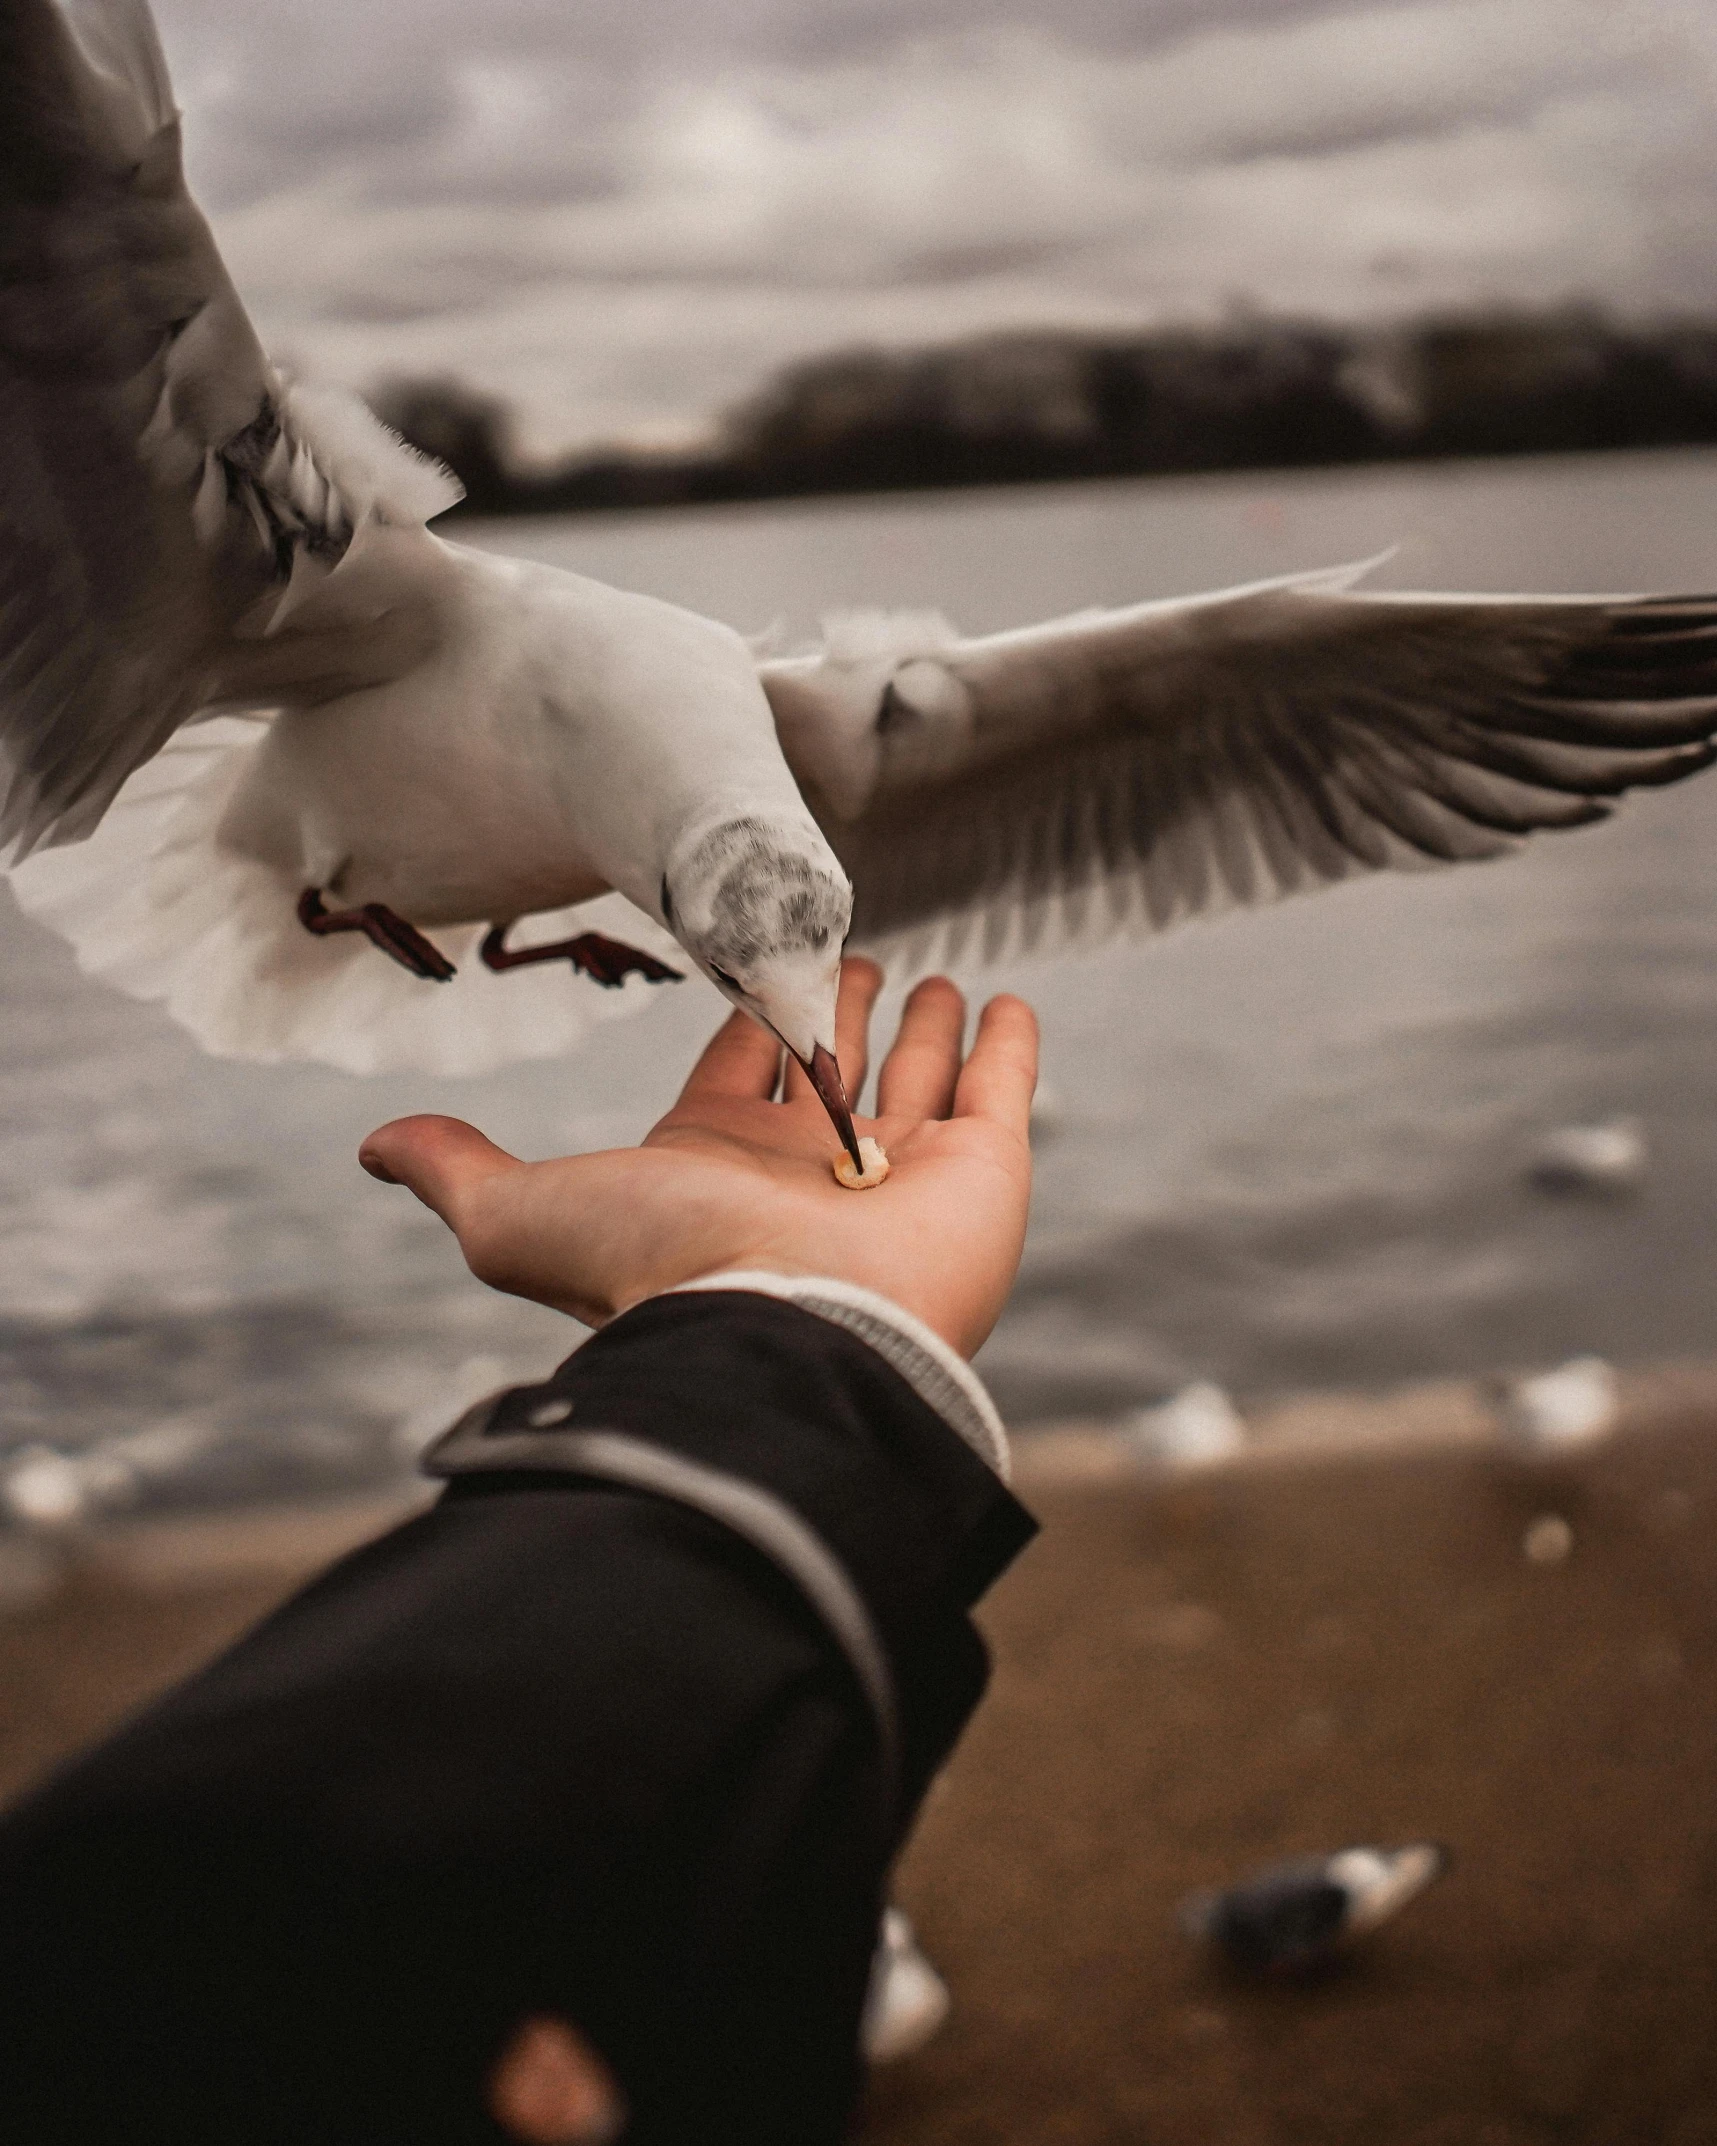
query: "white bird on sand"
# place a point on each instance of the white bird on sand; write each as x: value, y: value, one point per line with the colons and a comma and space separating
x: 42, y: 1487
x: 1554, y: 1413
x: 301, y: 769
x: 907, y: 2000
x: 1295, y: 1915
x: 1194, y: 1428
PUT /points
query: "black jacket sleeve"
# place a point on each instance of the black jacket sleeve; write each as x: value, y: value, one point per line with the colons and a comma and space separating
x: 550, y: 1747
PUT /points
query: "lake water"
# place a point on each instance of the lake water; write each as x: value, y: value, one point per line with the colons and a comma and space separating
x: 1288, y: 1145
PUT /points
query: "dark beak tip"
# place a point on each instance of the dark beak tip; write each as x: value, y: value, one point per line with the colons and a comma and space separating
x: 824, y: 1075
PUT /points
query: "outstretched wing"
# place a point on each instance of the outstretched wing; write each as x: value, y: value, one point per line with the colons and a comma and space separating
x: 168, y: 506
x: 1129, y: 768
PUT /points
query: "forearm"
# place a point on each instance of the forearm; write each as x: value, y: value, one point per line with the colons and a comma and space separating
x: 832, y: 1397
x: 748, y: 1387
x: 502, y: 1762
x: 936, y: 1373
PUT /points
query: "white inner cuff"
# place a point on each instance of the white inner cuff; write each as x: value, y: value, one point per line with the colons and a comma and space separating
x: 935, y: 1372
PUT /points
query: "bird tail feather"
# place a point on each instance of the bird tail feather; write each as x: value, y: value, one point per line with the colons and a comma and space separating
x: 154, y: 904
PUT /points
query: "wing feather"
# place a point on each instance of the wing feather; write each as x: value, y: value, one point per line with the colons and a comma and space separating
x: 1151, y: 764
x: 167, y: 500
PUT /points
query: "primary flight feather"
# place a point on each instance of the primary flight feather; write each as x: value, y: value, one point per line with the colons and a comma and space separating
x: 275, y: 753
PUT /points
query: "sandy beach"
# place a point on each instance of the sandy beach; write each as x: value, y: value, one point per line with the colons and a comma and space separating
x: 1332, y: 1644
x: 1338, y: 1637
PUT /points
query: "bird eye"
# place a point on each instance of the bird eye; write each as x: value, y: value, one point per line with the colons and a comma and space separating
x: 722, y: 977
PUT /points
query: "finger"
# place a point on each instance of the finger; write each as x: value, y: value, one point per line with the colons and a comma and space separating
x: 740, y: 1059
x: 999, y: 1077
x: 442, y: 1160
x: 861, y: 980
x: 919, y: 1073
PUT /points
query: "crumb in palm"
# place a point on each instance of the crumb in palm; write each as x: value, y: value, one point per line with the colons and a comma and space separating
x: 875, y: 1167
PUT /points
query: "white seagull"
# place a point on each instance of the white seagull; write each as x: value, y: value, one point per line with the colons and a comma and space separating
x: 332, y: 787
x: 1609, y: 1158
x: 1196, y: 1427
x: 1553, y: 1414
x: 1297, y: 1915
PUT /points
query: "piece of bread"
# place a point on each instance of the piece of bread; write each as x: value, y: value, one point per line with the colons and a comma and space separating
x: 875, y: 1167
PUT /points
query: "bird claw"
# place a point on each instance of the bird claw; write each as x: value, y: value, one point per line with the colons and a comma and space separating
x: 400, y: 941
x: 605, y: 961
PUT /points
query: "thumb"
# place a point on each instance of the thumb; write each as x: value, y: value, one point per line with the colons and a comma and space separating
x: 442, y: 1160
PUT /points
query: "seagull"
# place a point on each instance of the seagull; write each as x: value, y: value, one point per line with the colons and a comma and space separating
x: 1195, y: 1427
x: 330, y: 786
x: 43, y: 1487
x: 1609, y: 1158
x: 1555, y: 1413
x: 1299, y: 1914
x: 907, y: 2001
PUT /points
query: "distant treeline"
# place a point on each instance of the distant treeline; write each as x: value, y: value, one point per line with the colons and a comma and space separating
x: 1019, y: 408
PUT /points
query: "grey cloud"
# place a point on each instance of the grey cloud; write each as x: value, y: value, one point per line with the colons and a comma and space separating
x: 1338, y: 83
x: 617, y: 35
x: 619, y: 216
x: 276, y: 95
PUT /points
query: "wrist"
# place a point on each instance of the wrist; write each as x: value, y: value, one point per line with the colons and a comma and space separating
x: 905, y: 1291
x: 923, y: 1357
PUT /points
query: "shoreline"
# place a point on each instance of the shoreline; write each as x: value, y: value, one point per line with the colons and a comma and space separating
x: 249, y: 1544
x: 1421, y: 1416
x: 93, y: 1623
x: 1329, y: 1643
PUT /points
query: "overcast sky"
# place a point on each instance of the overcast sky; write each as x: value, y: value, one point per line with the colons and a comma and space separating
x: 622, y: 214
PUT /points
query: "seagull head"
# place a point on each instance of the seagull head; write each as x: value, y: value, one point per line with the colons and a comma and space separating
x: 762, y: 906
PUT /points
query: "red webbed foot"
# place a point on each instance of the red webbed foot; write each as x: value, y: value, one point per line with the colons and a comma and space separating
x: 606, y: 961
x: 400, y: 941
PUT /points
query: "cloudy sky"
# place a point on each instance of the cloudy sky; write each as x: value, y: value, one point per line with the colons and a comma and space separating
x: 622, y: 214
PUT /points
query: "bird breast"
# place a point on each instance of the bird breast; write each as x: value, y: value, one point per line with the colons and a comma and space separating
x: 453, y: 794
x: 445, y: 822
x: 551, y: 745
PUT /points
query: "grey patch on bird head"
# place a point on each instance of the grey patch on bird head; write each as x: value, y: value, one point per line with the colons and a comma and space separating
x: 761, y: 893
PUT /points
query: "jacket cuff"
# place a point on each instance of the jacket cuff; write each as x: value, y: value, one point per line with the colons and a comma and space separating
x: 941, y: 1379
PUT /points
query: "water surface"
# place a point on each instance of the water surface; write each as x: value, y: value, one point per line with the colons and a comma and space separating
x: 1288, y: 1145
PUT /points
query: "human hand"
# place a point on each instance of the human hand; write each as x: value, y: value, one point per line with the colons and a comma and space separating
x: 730, y: 1179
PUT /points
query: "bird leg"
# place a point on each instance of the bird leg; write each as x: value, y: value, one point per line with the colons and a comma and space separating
x: 607, y: 961
x: 400, y: 941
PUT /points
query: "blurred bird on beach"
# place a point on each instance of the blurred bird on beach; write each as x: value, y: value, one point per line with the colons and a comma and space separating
x: 1297, y: 1915
x: 1553, y: 1414
x: 907, y: 2000
x: 1193, y: 1428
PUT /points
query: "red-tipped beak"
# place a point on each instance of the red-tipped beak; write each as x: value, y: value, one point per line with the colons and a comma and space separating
x: 825, y: 1076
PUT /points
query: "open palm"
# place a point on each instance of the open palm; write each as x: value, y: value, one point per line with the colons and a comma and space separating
x: 731, y: 1178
